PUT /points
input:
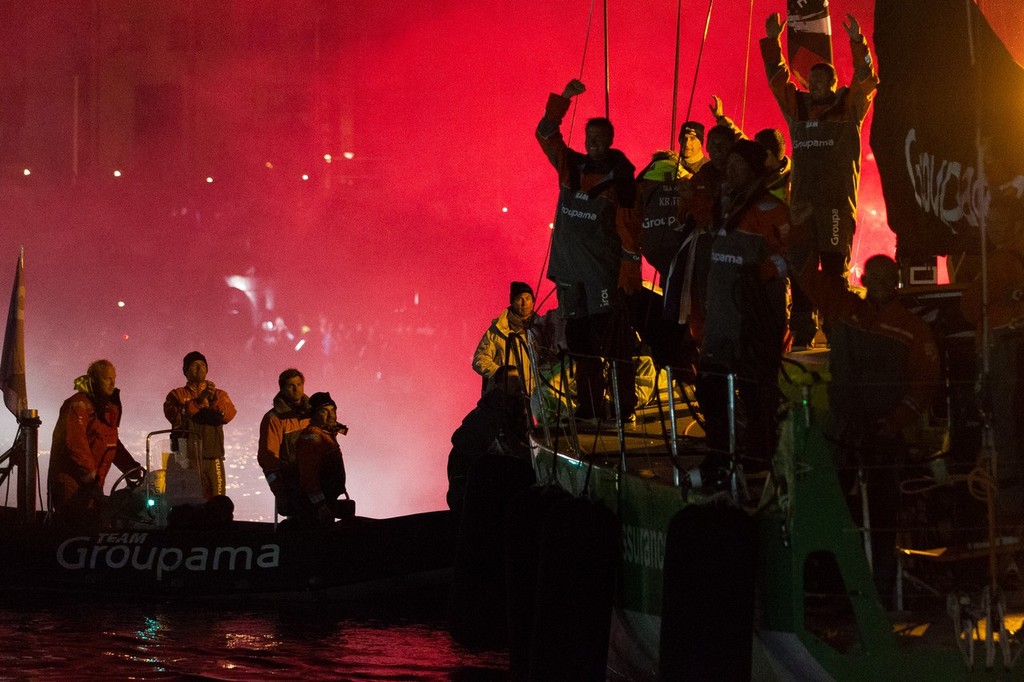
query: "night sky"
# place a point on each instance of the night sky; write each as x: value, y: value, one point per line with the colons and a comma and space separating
x: 387, y: 270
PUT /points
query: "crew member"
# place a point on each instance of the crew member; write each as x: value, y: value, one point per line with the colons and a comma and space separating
x: 321, y: 466
x: 201, y: 408
x: 595, y: 253
x: 279, y: 431
x: 824, y: 125
x: 85, y: 444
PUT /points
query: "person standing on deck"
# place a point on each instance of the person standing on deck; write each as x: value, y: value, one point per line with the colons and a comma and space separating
x: 85, y: 444
x: 885, y: 370
x: 745, y: 325
x: 825, y: 127
x: 202, y: 408
x: 279, y: 431
x: 595, y: 252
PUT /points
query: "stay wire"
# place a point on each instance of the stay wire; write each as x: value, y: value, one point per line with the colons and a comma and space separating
x: 700, y: 55
x: 746, y: 66
x: 675, y: 81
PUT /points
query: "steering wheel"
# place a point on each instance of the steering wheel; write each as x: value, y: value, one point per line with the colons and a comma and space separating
x: 123, y: 478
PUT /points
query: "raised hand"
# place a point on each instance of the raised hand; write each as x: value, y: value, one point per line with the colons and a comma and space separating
x: 852, y: 28
x: 717, y: 109
x: 573, y: 88
x: 774, y: 25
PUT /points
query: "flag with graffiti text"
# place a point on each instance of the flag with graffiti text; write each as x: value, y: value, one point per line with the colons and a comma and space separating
x: 947, y: 124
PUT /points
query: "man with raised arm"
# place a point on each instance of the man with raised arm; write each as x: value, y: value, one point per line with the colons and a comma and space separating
x: 824, y: 126
x: 595, y: 252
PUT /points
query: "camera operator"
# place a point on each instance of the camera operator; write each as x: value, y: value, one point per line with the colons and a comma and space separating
x: 320, y: 463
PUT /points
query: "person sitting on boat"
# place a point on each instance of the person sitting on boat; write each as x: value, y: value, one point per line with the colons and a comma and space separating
x: 745, y: 325
x: 825, y: 127
x: 595, y: 253
x: 1002, y: 386
x: 320, y: 463
x: 201, y: 408
x: 85, y: 444
x: 499, y: 425
x: 885, y: 371
x: 279, y: 432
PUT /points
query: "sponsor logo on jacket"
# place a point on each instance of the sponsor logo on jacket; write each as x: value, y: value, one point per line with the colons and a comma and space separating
x: 659, y: 222
x: 576, y: 213
x: 804, y: 144
x: 729, y: 258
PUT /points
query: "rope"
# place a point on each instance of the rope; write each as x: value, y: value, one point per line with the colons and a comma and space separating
x: 746, y: 66
x: 583, y: 63
x: 675, y: 79
x: 700, y: 55
x: 607, y: 67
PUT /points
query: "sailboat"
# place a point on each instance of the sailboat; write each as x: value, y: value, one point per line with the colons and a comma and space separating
x: 767, y: 576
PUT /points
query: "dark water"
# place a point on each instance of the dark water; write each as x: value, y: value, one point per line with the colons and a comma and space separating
x: 46, y: 639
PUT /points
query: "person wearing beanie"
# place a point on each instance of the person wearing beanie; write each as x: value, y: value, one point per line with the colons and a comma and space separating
x: 321, y: 467
x: 505, y: 341
x: 279, y: 433
x: 85, y: 444
x: 745, y: 325
x: 201, y: 408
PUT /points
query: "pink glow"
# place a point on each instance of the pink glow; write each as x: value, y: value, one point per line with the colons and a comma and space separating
x: 401, y: 244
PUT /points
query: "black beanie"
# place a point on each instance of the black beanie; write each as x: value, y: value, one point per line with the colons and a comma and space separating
x: 518, y: 288
x: 318, y: 400
x: 192, y: 357
x: 695, y: 127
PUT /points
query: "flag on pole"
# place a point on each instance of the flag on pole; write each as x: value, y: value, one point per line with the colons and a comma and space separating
x: 12, y: 363
x: 808, y: 36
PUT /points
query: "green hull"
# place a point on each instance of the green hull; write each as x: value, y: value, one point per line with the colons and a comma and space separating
x: 807, y: 516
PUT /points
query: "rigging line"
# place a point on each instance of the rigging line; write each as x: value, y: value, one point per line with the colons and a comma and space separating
x: 746, y: 66
x: 700, y: 55
x: 607, y: 71
x: 583, y: 63
x: 675, y: 81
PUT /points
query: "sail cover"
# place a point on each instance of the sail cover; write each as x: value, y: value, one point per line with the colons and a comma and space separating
x: 946, y: 81
x: 808, y: 36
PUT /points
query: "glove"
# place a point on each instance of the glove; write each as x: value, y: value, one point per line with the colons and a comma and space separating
x: 629, y: 276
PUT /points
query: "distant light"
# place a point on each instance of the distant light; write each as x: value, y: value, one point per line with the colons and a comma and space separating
x: 26, y: 172
x: 120, y: 304
x: 504, y: 209
x: 150, y: 502
x: 268, y: 165
x: 305, y: 177
x: 416, y: 298
x: 874, y: 212
x: 117, y: 174
x: 209, y: 179
x: 300, y: 344
x: 551, y: 226
x: 349, y: 155
x: 124, y: 337
x: 268, y: 325
x: 327, y: 158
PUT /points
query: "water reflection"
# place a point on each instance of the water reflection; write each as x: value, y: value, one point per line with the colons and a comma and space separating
x: 52, y: 639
